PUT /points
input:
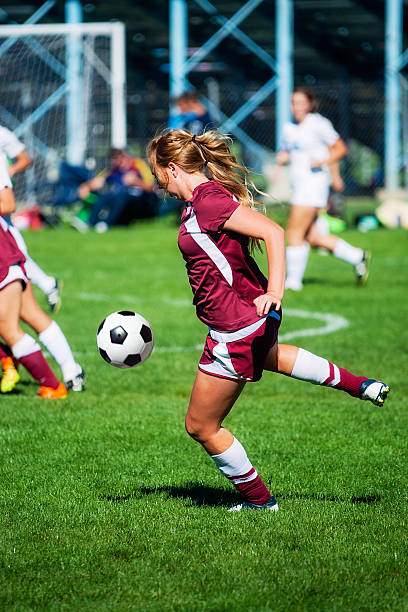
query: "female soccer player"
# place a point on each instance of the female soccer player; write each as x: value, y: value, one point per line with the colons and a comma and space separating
x: 241, y: 307
x: 13, y: 149
x: 311, y: 145
x: 13, y: 281
x: 50, y: 334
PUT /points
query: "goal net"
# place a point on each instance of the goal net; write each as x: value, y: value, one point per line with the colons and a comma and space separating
x: 63, y: 95
x: 404, y: 121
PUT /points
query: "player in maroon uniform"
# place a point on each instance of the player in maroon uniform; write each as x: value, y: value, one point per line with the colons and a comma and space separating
x: 241, y: 307
x: 13, y: 281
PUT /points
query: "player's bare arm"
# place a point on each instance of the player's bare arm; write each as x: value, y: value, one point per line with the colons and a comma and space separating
x: 252, y: 223
x: 131, y: 178
x: 21, y: 162
x: 336, y: 152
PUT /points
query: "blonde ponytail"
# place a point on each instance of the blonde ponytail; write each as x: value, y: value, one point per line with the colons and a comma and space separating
x: 208, y: 152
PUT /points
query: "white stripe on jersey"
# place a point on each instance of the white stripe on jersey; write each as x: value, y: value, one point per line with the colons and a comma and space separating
x: 208, y: 247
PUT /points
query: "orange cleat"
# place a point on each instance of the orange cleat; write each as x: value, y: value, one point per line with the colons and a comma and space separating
x: 49, y: 393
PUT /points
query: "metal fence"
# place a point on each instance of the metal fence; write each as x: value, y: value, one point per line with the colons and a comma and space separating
x: 355, y: 107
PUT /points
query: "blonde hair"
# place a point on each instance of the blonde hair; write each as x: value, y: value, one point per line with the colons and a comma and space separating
x: 211, y: 151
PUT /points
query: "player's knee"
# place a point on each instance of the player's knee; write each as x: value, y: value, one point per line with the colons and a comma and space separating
x: 195, y: 429
x: 192, y: 427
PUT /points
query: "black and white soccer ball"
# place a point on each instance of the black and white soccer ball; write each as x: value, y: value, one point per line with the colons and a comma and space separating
x: 125, y: 339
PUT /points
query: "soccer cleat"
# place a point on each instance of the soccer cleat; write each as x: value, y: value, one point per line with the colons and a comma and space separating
x: 49, y: 393
x: 270, y: 505
x: 362, y: 269
x: 375, y: 391
x: 54, y: 297
x: 10, y: 375
x: 77, y: 383
x: 101, y: 227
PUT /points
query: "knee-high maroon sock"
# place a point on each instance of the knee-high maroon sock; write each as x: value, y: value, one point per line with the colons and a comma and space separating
x: 319, y: 371
x: 342, y: 379
x: 235, y: 465
x: 29, y: 353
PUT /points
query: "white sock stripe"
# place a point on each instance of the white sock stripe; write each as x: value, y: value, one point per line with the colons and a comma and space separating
x: 246, y: 479
x: 336, y: 376
x: 26, y: 346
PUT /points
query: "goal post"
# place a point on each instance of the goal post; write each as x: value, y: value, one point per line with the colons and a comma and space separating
x: 64, y: 94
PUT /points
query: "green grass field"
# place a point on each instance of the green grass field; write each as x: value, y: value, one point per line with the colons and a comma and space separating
x: 106, y: 504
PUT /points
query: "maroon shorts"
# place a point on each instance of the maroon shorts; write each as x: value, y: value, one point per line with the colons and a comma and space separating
x: 15, y: 272
x: 241, y: 354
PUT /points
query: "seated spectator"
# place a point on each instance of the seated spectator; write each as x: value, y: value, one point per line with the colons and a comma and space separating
x: 193, y: 115
x: 124, y: 192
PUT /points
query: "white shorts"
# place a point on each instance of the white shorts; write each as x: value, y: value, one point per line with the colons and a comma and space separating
x: 311, y: 191
x: 15, y: 272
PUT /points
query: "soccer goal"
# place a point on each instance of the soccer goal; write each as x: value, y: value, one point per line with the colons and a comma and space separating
x: 404, y: 107
x: 63, y: 95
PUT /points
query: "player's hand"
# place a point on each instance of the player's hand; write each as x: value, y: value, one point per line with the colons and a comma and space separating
x: 264, y: 303
x: 316, y: 164
x: 282, y: 158
x: 131, y: 179
x: 83, y: 191
x: 338, y: 184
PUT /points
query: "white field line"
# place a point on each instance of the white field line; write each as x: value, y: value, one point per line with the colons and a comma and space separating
x: 332, y: 322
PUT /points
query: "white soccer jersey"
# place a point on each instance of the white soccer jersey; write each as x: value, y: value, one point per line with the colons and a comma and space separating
x: 5, y: 180
x: 9, y: 143
x: 307, y: 141
x: 10, y: 147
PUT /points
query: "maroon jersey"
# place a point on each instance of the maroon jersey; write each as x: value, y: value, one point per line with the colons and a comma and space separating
x: 10, y: 254
x: 223, y: 276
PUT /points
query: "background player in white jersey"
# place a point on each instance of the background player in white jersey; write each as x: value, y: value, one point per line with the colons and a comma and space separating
x: 241, y: 307
x: 310, y: 144
x: 49, y: 332
x: 13, y: 149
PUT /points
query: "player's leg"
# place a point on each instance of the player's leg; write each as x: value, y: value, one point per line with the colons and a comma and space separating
x: 111, y: 201
x: 303, y: 365
x: 97, y: 208
x: 297, y: 251
x: 48, y: 284
x: 52, y: 337
x: 117, y: 207
x: 23, y: 346
x: 211, y: 400
x: 341, y: 249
